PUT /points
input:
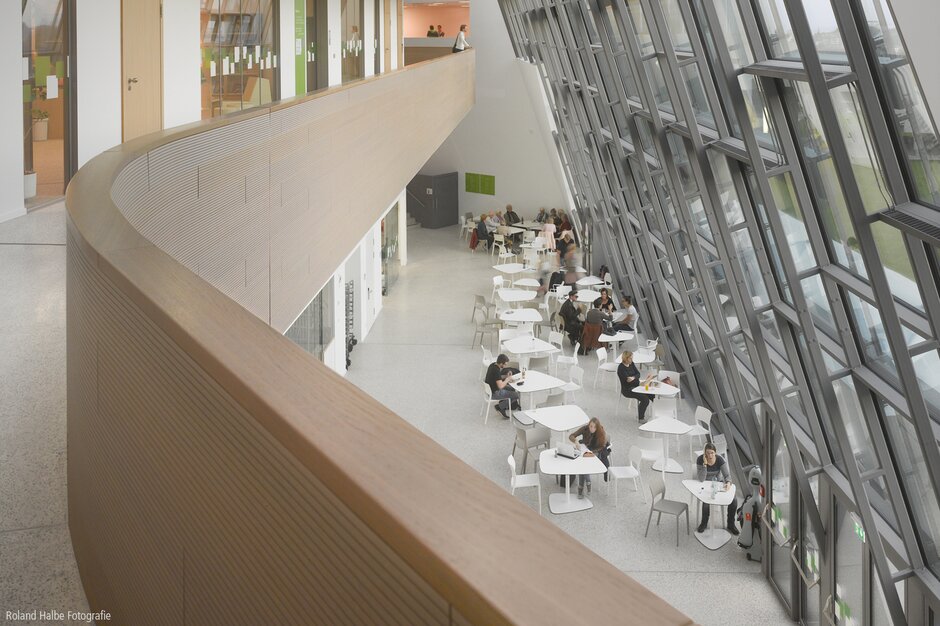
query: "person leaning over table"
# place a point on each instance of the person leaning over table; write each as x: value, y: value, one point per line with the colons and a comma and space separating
x: 572, y: 316
x: 497, y: 377
x: 629, y: 375
x: 710, y: 466
x: 604, y: 302
x: 594, y: 438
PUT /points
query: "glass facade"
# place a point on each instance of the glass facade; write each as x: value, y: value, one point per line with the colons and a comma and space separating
x: 740, y: 162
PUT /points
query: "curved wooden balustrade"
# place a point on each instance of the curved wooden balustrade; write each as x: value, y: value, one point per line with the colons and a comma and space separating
x: 220, y: 475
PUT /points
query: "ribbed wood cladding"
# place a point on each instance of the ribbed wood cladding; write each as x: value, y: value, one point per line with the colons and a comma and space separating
x: 220, y: 475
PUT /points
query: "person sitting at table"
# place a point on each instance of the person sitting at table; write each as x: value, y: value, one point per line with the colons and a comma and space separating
x: 565, y: 223
x: 497, y: 377
x: 604, y: 302
x: 628, y: 322
x: 629, y: 375
x: 542, y: 216
x: 593, y: 327
x: 563, y: 242
x: 511, y: 216
x: 572, y: 316
x: 594, y: 438
x: 492, y: 224
x: 483, y: 231
x: 710, y: 466
x: 500, y: 219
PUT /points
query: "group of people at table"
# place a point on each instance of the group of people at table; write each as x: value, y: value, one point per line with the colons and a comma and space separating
x: 554, y: 227
x: 586, y: 328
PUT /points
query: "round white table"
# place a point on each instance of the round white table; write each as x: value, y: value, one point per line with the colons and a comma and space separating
x: 533, y: 382
x: 527, y: 282
x: 521, y: 315
x: 559, y: 503
x: 560, y: 419
x: 512, y: 268
x: 665, y: 426
x: 588, y: 295
x: 617, y: 338
x: 712, y: 538
x: 587, y: 281
x: 515, y: 295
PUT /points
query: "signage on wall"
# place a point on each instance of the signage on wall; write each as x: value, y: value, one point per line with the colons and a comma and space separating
x: 480, y: 183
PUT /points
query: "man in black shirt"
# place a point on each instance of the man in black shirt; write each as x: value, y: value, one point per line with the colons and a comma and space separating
x: 569, y: 312
x: 497, y: 377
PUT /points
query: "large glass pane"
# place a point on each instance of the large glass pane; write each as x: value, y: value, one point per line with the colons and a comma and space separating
x: 927, y: 369
x: 753, y: 279
x: 313, y: 329
x: 791, y: 218
x: 781, y: 567
x: 727, y: 194
x: 870, y: 333
x: 700, y: 105
x: 45, y: 99
x: 897, y: 263
x: 818, y: 304
x: 353, y: 57
x: 654, y: 74
x: 911, y: 118
x: 676, y: 27
x: 729, y: 20
x: 758, y: 112
x: 915, y: 478
x: 848, y: 602
x: 822, y: 177
x: 777, y: 29
x: 861, y: 148
x: 640, y: 27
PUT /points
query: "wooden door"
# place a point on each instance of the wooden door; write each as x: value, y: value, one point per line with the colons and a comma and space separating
x: 142, y: 66
x: 387, y: 32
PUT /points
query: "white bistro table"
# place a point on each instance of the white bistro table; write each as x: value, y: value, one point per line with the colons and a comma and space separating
x: 644, y: 356
x: 588, y: 295
x: 515, y: 295
x: 665, y: 426
x: 712, y: 538
x: 587, y: 281
x: 527, y: 344
x: 560, y: 419
x: 512, y: 268
x: 617, y: 338
x: 518, y: 316
x: 529, y: 225
x: 559, y: 503
x: 533, y: 382
x: 509, y: 230
x: 526, y: 282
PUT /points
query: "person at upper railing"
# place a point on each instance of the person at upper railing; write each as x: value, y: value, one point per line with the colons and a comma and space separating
x: 461, y: 43
x: 440, y: 31
x: 432, y: 32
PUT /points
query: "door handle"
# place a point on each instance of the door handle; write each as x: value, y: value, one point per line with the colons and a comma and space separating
x: 130, y: 82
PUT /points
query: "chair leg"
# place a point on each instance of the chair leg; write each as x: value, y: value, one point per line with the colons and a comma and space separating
x: 540, y: 498
x: 487, y: 416
x: 677, y: 529
x: 648, y: 520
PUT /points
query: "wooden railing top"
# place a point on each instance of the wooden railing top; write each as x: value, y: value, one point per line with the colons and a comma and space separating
x: 490, y: 556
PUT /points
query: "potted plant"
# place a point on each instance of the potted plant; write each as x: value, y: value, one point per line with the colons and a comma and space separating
x: 40, y: 125
x: 29, y: 184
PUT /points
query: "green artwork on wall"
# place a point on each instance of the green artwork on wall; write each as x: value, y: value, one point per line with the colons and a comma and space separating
x: 480, y: 183
x: 42, y: 67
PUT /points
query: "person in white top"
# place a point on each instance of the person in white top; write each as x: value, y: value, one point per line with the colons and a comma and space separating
x: 461, y: 43
x: 628, y: 323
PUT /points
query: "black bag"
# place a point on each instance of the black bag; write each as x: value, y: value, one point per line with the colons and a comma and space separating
x: 607, y: 327
x: 454, y: 49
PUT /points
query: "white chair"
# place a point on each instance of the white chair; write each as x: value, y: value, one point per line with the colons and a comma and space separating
x: 482, y: 326
x: 528, y: 236
x: 504, y: 254
x: 703, y: 425
x: 650, y: 448
x: 562, y: 292
x: 539, y: 363
x: 669, y: 507
x: 666, y: 406
x: 603, y: 365
x: 519, y: 481
x: 576, y: 383
x: 489, y: 401
x: 675, y: 377
x: 528, y: 439
x: 479, y: 302
x: 632, y: 471
x: 561, y: 359
x: 487, y: 359
x: 607, y: 281
x: 498, y: 283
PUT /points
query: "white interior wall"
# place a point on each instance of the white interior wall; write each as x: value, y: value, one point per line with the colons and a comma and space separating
x: 182, y: 98
x: 286, y: 59
x: 98, y: 74
x: 11, y: 111
x: 917, y: 21
x: 505, y: 134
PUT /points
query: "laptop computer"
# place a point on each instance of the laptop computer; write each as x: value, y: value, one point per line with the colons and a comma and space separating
x: 567, y: 450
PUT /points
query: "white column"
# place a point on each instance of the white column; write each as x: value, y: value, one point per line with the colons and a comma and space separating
x: 182, y: 95
x: 11, y: 111
x: 98, y: 43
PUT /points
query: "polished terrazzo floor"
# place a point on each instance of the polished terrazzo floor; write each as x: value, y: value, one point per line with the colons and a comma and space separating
x: 424, y: 330
x: 37, y: 566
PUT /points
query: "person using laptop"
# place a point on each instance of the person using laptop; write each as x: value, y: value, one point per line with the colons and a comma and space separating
x: 497, y: 377
x: 594, y: 438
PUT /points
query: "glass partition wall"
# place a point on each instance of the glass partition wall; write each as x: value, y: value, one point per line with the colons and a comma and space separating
x: 761, y: 175
x: 239, y: 54
x: 46, y: 99
x: 353, y: 57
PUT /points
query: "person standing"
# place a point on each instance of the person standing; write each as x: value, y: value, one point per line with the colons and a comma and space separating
x: 594, y: 438
x: 710, y: 466
x: 440, y: 30
x: 432, y: 32
x: 460, y: 44
x: 629, y: 376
